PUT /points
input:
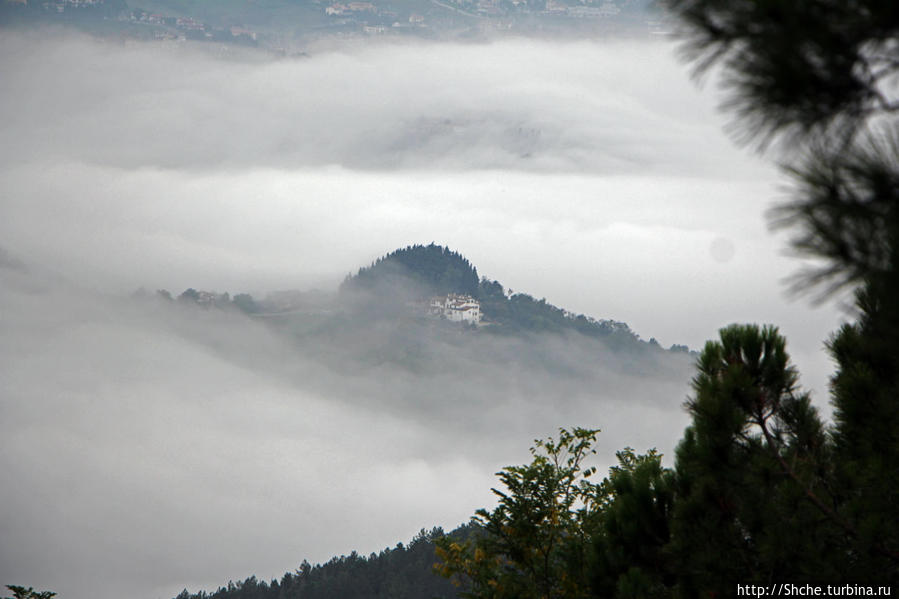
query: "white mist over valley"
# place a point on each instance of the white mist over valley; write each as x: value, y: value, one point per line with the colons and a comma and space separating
x: 157, y: 447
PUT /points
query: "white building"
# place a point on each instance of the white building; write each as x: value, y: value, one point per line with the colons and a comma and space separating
x: 456, y: 308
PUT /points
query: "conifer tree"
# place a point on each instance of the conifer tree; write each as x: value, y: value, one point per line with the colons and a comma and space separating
x: 753, y: 487
x: 632, y: 531
x: 816, y: 80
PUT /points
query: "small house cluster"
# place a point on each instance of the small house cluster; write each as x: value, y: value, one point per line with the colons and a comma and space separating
x: 456, y: 308
x: 61, y: 5
x: 339, y: 8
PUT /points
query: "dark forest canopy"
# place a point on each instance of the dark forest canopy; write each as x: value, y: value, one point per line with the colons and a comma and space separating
x: 419, y: 269
x: 404, y: 572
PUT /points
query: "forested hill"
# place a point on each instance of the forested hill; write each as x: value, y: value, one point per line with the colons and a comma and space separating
x: 418, y: 271
x: 404, y: 572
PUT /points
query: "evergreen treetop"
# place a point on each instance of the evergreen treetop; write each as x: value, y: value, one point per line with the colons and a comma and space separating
x: 420, y: 269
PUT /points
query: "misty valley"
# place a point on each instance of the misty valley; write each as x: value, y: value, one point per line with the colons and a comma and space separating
x: 375, y: 348
x: 448, y: 299
x: 378, y: 340
x: 410, y: 310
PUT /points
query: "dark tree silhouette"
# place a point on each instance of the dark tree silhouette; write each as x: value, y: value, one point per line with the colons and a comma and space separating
x: 817, y: 81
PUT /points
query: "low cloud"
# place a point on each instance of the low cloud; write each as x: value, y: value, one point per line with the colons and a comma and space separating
x: 607, y: 107
x: 179, y: 447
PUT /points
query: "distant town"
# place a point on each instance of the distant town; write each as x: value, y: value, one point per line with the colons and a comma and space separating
x: 281, y: 26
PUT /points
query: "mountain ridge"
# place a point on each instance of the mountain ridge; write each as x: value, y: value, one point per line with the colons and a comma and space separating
x: 398, y: 284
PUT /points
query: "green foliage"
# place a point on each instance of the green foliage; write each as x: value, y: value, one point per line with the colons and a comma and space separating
x: 521, y: 312
x: 534, y: 544
x: 752, y: 473
x: 29, y: 593
x: 403, y: 572
x: 762, y: 491
x: 629, y: 546
x: 557, y: 534
x: 865, y: 397
x: 420, y: 270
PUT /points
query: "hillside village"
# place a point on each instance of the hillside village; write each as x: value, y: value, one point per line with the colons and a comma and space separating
x: 452, y: 307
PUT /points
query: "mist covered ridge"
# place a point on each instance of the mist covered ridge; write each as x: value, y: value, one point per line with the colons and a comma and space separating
x: 392, y: 313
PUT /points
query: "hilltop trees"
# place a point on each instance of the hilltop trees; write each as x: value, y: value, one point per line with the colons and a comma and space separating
x: 417, y: 270
x: 411, y: 274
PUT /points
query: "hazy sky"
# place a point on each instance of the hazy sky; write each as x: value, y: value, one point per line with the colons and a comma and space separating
x: 149, y: 452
